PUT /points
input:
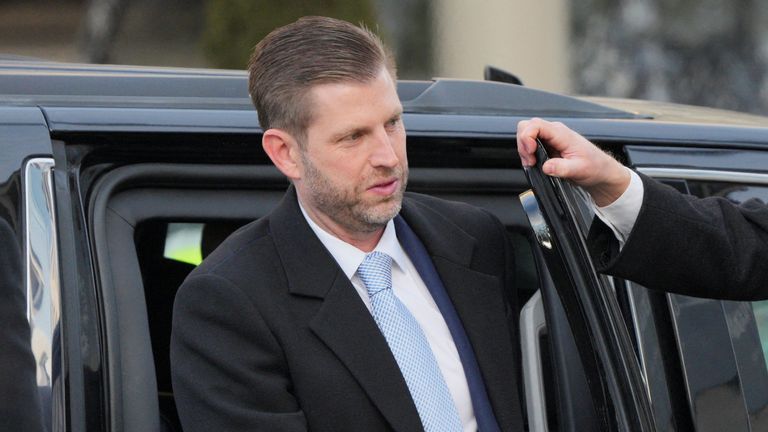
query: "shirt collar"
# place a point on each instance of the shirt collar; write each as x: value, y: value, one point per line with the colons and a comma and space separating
x: 349, y: 257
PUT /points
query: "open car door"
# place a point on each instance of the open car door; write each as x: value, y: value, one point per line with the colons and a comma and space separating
x: 583, y: 316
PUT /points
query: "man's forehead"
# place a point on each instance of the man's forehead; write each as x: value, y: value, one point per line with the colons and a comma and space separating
x: 371, y: 95
x: 344, y: 85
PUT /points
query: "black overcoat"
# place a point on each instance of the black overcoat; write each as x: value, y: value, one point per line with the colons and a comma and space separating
x: 269, y: 334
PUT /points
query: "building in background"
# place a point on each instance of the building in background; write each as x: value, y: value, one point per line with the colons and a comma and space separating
x: 528, y: 38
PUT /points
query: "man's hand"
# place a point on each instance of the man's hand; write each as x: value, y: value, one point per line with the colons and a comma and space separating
x: 574, y: 158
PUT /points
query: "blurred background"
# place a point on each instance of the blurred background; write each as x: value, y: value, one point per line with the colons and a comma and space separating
x: 702, y: 52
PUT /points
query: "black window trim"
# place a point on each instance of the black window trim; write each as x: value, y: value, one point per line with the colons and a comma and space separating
x: 132, y: 406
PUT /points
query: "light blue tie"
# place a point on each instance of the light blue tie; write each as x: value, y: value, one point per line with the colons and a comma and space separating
x: 409, y: 346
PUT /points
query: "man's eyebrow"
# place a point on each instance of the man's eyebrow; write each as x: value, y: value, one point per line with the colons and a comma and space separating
x: 397, y: 114
x: 347, y: 132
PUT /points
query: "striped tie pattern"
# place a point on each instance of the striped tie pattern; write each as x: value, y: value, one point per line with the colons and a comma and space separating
x: 409, y: 346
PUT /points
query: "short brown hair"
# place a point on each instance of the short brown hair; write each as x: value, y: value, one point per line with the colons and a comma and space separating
x: 310, y: 51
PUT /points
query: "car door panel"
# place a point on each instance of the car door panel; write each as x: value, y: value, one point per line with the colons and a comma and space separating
x: 718, y: 343
x: 609, y: 362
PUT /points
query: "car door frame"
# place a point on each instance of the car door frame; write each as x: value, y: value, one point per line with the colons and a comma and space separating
x: 741, y: 376
x: 610, y: 363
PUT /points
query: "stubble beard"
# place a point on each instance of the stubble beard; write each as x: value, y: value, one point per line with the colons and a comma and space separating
x: 348, y: 208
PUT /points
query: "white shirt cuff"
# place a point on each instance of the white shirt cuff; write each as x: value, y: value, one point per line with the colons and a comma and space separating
x: 620, y: 215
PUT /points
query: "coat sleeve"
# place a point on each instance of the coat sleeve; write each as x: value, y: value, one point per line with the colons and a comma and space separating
x: 703, y: 247
x: 228, y: 370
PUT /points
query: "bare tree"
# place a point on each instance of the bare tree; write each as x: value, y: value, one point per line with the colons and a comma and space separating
x: 101, y: 25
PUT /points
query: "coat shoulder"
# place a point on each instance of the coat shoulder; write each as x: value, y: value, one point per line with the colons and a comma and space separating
x: 474, y: 220
x: 250, y: 246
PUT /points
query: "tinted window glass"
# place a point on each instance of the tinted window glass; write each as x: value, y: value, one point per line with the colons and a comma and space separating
x: 167, y: 252
x: 738, y: 193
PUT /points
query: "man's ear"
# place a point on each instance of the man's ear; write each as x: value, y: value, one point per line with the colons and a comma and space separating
x: 283, y: 149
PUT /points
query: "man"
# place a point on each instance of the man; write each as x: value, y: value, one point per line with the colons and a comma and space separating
x: 700, y: 247
x: 353, y: 306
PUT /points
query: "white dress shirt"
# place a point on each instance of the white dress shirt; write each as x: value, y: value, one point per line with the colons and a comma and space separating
x: 414, y: 294
x: 621, y: 215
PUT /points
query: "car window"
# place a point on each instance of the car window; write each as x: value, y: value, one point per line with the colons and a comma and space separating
x: 168, y: 250
x: 182, y: 242
x: 704, y: 360
x: 738, y: 193
x: 760, y: 309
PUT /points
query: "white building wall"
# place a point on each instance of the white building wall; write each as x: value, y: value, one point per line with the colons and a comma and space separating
x: 526, y: 37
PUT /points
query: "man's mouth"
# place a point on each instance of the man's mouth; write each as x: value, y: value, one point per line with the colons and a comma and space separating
x: 386, y: 187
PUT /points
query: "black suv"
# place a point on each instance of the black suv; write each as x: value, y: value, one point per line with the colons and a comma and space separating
x: 117, y: 181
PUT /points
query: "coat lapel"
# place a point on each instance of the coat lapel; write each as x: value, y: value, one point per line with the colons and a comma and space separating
x: 346, y: 326
x: 342, y: 321
x: 477, y: 299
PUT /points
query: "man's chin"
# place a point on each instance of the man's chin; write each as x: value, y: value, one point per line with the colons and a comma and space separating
x: 381, y: 214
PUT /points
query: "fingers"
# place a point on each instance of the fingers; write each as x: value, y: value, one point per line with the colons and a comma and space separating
x: 557, y: 137
x: 526, y: 142
x: 572, y: 157
x: 570, y: 153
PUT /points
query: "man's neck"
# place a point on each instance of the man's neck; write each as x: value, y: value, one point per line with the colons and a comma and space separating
x: 365, y: 241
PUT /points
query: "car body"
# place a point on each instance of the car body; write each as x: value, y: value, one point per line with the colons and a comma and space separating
x: 104, y: 168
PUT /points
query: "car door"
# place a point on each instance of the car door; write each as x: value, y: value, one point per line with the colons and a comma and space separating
x: 711, y: 352
x: 559, y: 218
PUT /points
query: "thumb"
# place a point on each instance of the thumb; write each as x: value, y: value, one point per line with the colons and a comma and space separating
x: 557, y: 167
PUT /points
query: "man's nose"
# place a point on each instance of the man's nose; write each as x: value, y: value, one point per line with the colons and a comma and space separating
x: 383, y: 152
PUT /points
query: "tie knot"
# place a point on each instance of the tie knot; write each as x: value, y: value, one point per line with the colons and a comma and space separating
x: 376, y: 272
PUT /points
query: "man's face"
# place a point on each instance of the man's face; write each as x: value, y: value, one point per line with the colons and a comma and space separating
x: 354, y: 167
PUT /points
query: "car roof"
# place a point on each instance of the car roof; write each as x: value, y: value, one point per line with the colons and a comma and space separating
x: 78, y: 98
x: 46, y: 83
x: 86, y: 85
x: 28, y: 82
x: 679, y: 113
